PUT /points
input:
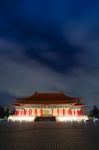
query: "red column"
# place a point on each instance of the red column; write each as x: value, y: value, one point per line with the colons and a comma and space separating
x: 79, y: 112
x: 41, y: 111
x: 21, y: 112
x: 74, y: 112
x: 57, y: 112
x: 35, y: 112
x: 17, y: 112
x: 30, y: 112
x: 66, y: 112
x: 25, y: 111
x: 70, y: 112
x: 63, y: 112
x: 52, y: 111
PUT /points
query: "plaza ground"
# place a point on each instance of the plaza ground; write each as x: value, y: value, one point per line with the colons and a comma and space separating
x: 49, y: 136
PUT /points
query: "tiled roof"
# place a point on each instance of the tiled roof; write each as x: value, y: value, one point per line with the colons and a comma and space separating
x: 47, y: 98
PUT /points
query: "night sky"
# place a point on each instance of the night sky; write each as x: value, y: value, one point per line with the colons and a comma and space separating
x: 49, y: 46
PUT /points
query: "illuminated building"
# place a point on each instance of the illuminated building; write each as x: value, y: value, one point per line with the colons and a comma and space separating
x: 58, y: 105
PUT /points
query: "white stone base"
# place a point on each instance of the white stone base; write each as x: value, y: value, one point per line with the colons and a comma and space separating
x: 21, y: 118
x: 58, y: 119
x: 71, y: 118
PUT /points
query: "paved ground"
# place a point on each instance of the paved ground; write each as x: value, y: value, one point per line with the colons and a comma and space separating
x: 49, y: 136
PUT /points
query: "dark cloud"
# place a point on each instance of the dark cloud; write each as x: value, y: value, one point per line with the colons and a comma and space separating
x: 49, y: 46
x: 41, y: 41
x: 7, y: 99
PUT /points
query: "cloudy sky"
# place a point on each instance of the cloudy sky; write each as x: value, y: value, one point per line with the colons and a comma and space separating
x: 49, y: 46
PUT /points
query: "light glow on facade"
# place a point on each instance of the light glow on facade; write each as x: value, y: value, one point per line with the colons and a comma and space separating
x: 63, y: 108
x: 21, y: 118
x: 71, y: 118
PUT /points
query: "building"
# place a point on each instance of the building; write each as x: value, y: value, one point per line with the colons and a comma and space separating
x: 58, y: 105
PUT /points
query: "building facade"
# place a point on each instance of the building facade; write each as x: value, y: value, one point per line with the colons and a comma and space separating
x: 58, y: 105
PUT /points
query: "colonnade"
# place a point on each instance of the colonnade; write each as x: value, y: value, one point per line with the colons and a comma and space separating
x: 49, y: 112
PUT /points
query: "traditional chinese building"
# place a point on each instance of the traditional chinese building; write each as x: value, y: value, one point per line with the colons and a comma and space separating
x: 58, y: 105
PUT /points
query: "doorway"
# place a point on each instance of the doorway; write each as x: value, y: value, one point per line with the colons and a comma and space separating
x: 45, y: 119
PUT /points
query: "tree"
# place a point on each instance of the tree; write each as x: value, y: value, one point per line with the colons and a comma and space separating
x: 90, y: 114
x: 95, y: 112
x: 1, y: 112
x: 4, y: 113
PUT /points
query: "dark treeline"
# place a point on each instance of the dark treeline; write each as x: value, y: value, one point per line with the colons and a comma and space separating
x: 5, y: 112
x: 94, y: 113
